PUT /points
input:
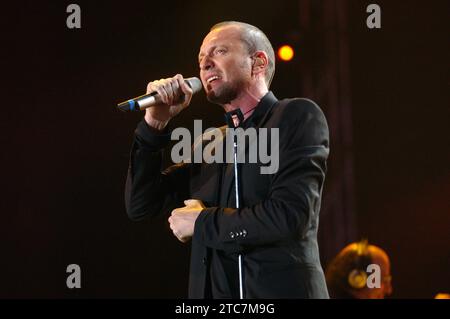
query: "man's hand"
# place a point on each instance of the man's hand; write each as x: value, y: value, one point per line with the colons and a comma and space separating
x: 170, y: 91
x: 182, y: 220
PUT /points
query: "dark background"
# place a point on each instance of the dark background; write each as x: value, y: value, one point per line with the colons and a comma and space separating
x: 65, y: 146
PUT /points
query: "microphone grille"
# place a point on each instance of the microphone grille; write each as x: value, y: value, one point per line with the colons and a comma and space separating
x: 195, y: 84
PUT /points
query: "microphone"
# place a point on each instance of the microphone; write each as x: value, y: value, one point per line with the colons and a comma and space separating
x: 142, y: 102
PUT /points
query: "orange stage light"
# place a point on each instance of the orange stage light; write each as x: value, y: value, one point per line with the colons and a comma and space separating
x: 286, y: 52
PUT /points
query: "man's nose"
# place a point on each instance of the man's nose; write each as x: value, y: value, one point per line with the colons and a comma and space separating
x: 206, y: 64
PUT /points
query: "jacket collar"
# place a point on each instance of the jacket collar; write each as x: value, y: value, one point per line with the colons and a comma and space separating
x: 261, y: 110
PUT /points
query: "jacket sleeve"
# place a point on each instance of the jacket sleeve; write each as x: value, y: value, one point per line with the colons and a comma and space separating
x: 292, y: 206
x: 149, y: 190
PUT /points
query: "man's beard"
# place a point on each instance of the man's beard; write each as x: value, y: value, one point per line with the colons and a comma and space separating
x: 224, y: 94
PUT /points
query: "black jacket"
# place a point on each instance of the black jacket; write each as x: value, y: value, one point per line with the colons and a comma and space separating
x: 276, y: 228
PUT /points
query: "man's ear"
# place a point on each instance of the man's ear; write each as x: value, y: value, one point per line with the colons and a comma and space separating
x: 260, y: 62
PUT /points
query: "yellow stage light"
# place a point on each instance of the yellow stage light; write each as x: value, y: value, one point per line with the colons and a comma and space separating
x: 286, y: 52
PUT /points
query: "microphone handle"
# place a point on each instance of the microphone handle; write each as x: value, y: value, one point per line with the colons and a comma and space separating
x: 140, y: 103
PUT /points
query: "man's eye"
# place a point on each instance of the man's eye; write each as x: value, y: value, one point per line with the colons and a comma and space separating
x: 220, y: 51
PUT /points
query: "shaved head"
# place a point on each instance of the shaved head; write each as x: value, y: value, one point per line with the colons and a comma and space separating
x: 254, y: 40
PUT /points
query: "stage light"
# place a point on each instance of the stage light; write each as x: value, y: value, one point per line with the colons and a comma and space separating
x: 286, y: 53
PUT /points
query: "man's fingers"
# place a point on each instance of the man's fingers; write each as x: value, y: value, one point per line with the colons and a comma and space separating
x: 187, y: 91
x: 193, y: 202
x: 164, y: 89
x: 189, y: 202
x: 181, y: 238
x: 169, y: 91
x: 185, y: 88
x: 176, y: 90
x: 152, y: 87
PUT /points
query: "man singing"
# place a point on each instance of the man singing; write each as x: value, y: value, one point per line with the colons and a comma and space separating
x: 266, y: 248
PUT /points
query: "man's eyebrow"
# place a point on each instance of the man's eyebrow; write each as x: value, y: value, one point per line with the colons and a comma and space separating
x: 202, y: 54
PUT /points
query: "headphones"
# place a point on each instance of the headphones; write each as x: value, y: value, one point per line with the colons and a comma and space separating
x: 257, y: 60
